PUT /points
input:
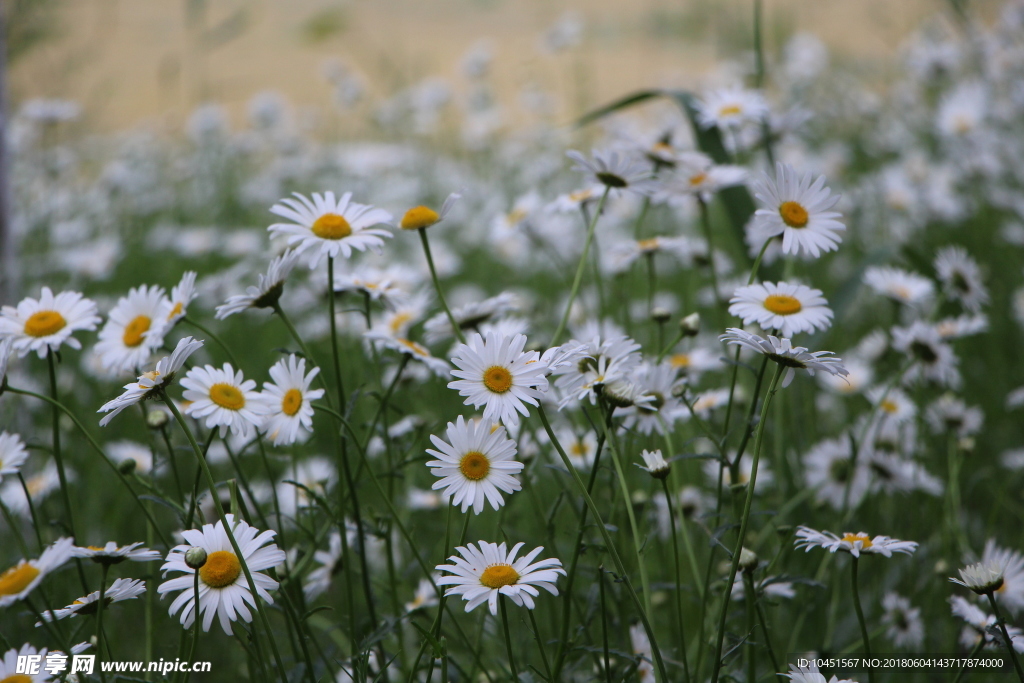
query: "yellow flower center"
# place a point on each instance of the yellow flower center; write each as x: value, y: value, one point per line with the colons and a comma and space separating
x: 178, y: 308
x: 98, y: 548
x: 516, y: 216
x: 17, y: 678
x: 221, y: 569
x: 419, y: 217
x: 649, y: 245
x: 580, y: 195
x: 291, y: 402
x: 888, y: 406
x: 578, y: 449
x: 135, y: 330
x: 414, y: 347
x: 697, y: 179
x: 399, y: 321
x: 497, y: 379
x: 680, y: 360
x: 227, y: 396
x: 44, y: 323
x: 331, y: 226
x: 782, y: 304
x: 730, y: 110
x: 498, y: 575
x: 865, y: 540
x: 474, y: 465
x: 16, y: 579
x: 793, y: 215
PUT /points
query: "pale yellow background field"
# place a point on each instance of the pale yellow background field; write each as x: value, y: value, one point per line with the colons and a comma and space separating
x: 138, y: 61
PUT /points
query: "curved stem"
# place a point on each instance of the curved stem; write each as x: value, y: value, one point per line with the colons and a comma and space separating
x: 437, y: 286
x: 580, y: 268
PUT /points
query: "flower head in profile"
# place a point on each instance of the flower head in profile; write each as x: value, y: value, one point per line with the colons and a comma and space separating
x: 798, y: 209
x: 176, y: 307
x: 286, y: 407
x: 909, y: 289
x: 476, y: 466
x: 266, y: 293
x: 421, y: 217
x: 119, y: 591
x: 785, y: 307
x: 496, y: 373
x: 782, y: 351
x: 615, y: 170
x: 12, y: 454
x: 44, y: 324
x: 731, y: 108
x: 982, y: 578
x: 485, y: 572
x: 326, y: 226
x: 151, y: 384
x: 855, y: 544
x: 413, y: 350
x: 223, y: 589
x: 319, y: 580
x: 112, y: 553
x: 696, y: 174
x: 20, y: 580
x: 655, y: 464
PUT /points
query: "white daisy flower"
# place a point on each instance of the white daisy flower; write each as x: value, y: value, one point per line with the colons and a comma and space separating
x: 982, y: 577
x: 225, y: 398
x: 960, y: 276
x: 855, y: 544
x: 829, y: 470
x: 6, y: 348
x: 765, y: 476
x: 581, y: 449
x: 696, y: 174
x: 483, y: 573
x: 799, y: 210
x: 420, y: 217
x: 641, y: 646
x: 397, y: 321
x: 112, y: 553
x: 786, y: 308
x: 893, y: 404
x: 319, y: 580
x: 134, y: 330
x: 810, y: 674
x: 390, y: 286
x: 122, y: 451
x: 12, y: 454
x: 895, y: 474
x: 176, y: 307
x: 469, y: 317
x: 962, y: 326
x: 659, y: 407
x: 785, y: 354
x: 326, y: 226
x: 600, y: 362
x: 573, y: 202
x: 935, y: 360
x: 950, y: 413
x: 39, y: 485
x: 477, y: 465
x: 316, y: 475
x: 223, y: 589
x: 980, y: 625
x: 151, y: 384
x: 770, y: 587
x: 1011, y: 593
x: 425, y: 596
x: 267, y: 293
x: 120, y: 590
x: 287, y: 409
x: 615, y: 170
x: 903, y: 623
x: 20, y: 580
x: 494, y: 372
x: 45, y: 324
x: 900, y: 285
x: 655, y: 463
x: 694, y: 363
x: 731, y: 107
x: 412, y: 349
x: 10, y: 671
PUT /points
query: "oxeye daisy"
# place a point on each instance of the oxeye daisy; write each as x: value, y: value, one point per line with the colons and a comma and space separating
x: 390, y: 286
x: 785, y: 354
x: 153, y: 383
x: 411, y: 349
x: 982, y: 578
x: 655, y: 463
x: 319, y: 580
x: 904, y: 626
x: 597, y: 363
x: 960, y: 276
x: 785, y: 307
x: 10, y: 670
x: 111, y: 553
x: 934, y: 358
x: 476, y: 466
x: 267, y: 293
x: 469, y: 317
x: 494, y: 372
x: 287, y: 409
x: 425, y: 596
x: 855, y: 544
x: 900, y: 285
x: 484, y: 572
x: 798, y: 209
x: 12, y: 454
x: 615, y: 171
x: 1011, y: 593
x: 420, y: 217
x: 731, y: 107
x: 134, y: 329
x: 830, y: 471
x: 696, y: 174
x: 19, y: 580
x: 325, y: 226
x: 176, y: 307
x: 6, y: 348
x: 120, y: 590
x: 225, y: 398
x: 223, y: 589
x: 46, y: 323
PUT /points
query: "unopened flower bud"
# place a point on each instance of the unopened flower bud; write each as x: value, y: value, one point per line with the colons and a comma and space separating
x: 195, y: 557
x: 156, y: 419
x: 748, y: 560
x: 660, y: 315
x: 690, y: 325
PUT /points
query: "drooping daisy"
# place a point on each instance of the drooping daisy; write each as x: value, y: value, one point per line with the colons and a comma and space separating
x: 223, y: 589
x: 900, y: 285
x: 783, y: 352
x: 112, y: 553
x: 412, y: 349
x: 960, y: 276
x: 476, y: 466
x: 153, y: 383
x: 12, y: 454
x: 798, y: 209
x: 176, y: 307
x: 45, y: 324
x: 120, y: 590
x: 903, y: 623
x: 731, y: 107
x: 483, y: 573
x: 855, y: 544
x: 10, y: 671
x: 287, y: 405
x: 19, y: 580
x: 420, y: 217
x: 615, y: 170
x: 319, y: 580
x: 325, y: 226
x: 225, y: 398
x: 786, y: 308
x: 134, y: 330
x: 494, y: 372
x: 266, y: 293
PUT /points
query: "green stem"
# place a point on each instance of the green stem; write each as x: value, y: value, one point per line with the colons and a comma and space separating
x: 974, y: 653
x: 209, y: 333
x: 580, y: 268
x: 604, y: 627
x: 100, y: 637
x: 705, y: 221
x: 437, y: 286
x: 508, y: 638
x: 860, y: 616
x: 540, y: 646
x: 678, y: 576
x: 745, y: 520
x: 1006, y: 636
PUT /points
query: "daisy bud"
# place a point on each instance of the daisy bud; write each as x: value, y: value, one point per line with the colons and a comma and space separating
x: 656, y: 465
x: 748, y: 560
x: 660, y: 315
x: 690, y: 325
x: 195, y: 557
x: 156, y: 419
